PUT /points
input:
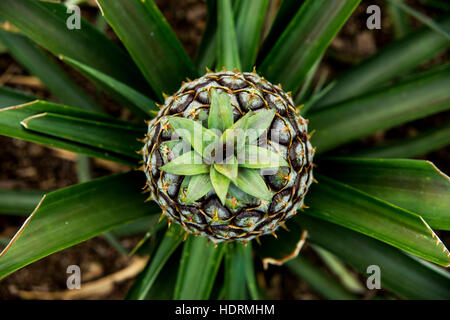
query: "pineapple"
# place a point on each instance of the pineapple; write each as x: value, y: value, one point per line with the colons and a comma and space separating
x: 228, y: 157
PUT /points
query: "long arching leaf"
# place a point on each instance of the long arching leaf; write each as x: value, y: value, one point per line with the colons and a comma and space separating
x: 71, y: 215
x: 151, y: 42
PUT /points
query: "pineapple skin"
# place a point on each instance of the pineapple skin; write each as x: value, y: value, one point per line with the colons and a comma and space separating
x: 243, y: 217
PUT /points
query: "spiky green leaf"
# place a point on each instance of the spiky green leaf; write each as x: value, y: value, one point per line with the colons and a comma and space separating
x: 227, y: 48
x: 229, y: 168
x: 251, y: 182
x: 51, y: 74
x: 220, y: 184
x: 304, y: 41
x: 170, y: 242
x: 151, y: 42
x: 138, y: 103
x: 188, y: 164
x: 71, y: 215
x: 220, y: 112
x: 10, y: 97
x: 415, y: 185
x: 257, y: 157
x: 199, y: 185
x: 258, y: 123
x: 194, y: 133
x: 390, y: 62
x: 341, y: 204
x: 109, y: 137
x: 86, y: 44
x: 199, y: 265
x: 412, y: 99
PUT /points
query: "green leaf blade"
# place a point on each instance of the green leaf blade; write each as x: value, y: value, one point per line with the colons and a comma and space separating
x: 304, y: 41
x: 110, y: 137
x: 255, y: 157
x: 172, y: 239
x: 151, y: 42
x: 20, y: 202
x: 412, y: 99
x: 391, y: 61
x: 341, y: 204
x: 87, y: 44
x: 228, y: 51
x: 199, y: 185
x: 10, y: 97
x: 10, y: 125
x: 220, y: 112
x: 420, y: 280
x: 249, y: 25
x: 74, y: 214
x: 51, y: 74
x: 229, y: 169
x: 138, y: 103
x: 194, y: 133
x: 250, y: 181
x: 415, y: 185
x: 188, y: 164
x: 199, y: 265
x: 220, y: 184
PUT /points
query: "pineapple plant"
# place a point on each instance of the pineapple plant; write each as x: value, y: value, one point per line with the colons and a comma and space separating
x: 220, y: 147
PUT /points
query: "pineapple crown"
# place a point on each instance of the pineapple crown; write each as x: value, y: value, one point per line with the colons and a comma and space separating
x: 225, y: 152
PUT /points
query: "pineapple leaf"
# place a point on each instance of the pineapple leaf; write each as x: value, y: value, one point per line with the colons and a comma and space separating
x: 291, y: 58
x: 220, y: 112
x: 150, y: 41
x: 235, y: 284
x: 412, y: 99
x: 207, y: 50
x: 421, y: 280
x: 10, y: 126
x: 258, y: 123
x: 220, y: 184
x: 249, y: 26
x: 256, y: 157
x: 423, y: 143
x: 285, y: 13
x: 198, y: 269
x: 199, y: 185
x: 188, y: 164
x: 19, y: 202
x: 320, y: 280
x: 38, y: 63
x: 172, y: 239
x: 229, y: 168
x: 72, y: 215
x: 235, y: 135
x: 227, y: 48
x: 138, y: 103
x: 250, y: 181
x: 415, y: 185
x: 387, y: 64
x: 10, y: 97
x: 86, y: 44
x: 194, y: 133
x: 114, y: 138
x: 349, y: 207
x: 422, y: 18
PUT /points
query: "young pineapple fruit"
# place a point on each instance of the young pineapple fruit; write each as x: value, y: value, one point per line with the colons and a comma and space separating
x: 228, y: 157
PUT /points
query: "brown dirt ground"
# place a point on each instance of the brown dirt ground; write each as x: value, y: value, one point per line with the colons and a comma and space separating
x: 25, y: 165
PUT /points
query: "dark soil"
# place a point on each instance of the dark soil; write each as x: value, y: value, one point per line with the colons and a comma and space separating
x: 25, y: 165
